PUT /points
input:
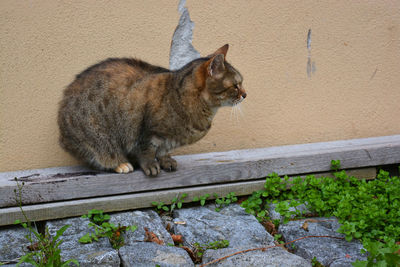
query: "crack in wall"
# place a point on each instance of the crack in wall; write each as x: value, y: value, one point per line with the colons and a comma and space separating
x: 182, y: 50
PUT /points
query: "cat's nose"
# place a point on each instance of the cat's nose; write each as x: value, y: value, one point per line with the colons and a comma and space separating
x: 244, y: 95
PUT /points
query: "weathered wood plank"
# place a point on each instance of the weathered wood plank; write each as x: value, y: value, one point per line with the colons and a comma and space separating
x: 57, y: 210
x: 50, y: 185
x: 122, y: 202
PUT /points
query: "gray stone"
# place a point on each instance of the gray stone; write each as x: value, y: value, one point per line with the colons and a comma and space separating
x: 141, y: 219
x: 274, y: 215
x: 328, y: 251
x: 182, y: 50
x: 269, y: 258
x: 204, y: 224
x: 13, y: 244
x: 94, y: 254
x: 144, y: 254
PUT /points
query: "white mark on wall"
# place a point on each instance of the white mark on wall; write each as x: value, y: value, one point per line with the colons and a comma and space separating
x: 182, y: 50
x: 310, y: 63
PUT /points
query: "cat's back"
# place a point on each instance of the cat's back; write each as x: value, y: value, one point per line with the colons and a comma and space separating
x: 112, y: 74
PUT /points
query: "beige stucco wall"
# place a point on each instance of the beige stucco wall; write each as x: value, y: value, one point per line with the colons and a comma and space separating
x: 352, y: 93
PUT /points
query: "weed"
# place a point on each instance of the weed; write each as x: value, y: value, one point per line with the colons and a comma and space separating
x: 224, y: 201
x: 102, y: 228
x: 202, y: 199
x: 335, y: 165
x: 200, y: 248
x: 316, y: 263
x: 176, y: 202
x: 160, y: 206
x: 45, y: 251
x: 278, y: 238
x: 379, y: 254
x: 369, y: 211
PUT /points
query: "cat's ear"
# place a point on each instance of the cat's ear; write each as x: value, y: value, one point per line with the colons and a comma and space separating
x: 215, y: 65
x: 222, y: 50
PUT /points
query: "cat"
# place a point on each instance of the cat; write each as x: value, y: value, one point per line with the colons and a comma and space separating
x: 124, y: 112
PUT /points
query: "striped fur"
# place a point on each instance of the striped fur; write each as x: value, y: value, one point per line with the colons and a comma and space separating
x: 124, y: 110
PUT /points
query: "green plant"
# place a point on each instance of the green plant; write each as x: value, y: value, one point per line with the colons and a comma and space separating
x: 224, y: 201
x: 367, y: 210
x: 200, y: 248
x: 45, y: 251
x: 379, y: 254
x: 316, y: 263
x: 102, y: 228
x: 97, y: 216
x: 160, y: 206
x: 202, y: 199
x: 278, y: 238
x: 176, y: 202
x: 335, y: 165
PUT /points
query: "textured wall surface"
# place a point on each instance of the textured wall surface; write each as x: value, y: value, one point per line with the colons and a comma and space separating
x: 338, y: 81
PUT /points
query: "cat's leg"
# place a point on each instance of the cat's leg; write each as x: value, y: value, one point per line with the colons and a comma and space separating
x: 167, y: 163
x: 148, y: 162
x: 147, y: 157
x: 107, y: 159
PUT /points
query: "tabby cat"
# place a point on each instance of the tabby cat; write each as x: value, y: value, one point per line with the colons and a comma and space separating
x: 123, y: 112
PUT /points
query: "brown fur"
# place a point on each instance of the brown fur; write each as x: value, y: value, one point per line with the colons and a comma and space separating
x: 123, y: 111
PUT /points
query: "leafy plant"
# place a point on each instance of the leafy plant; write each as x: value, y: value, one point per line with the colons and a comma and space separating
x: 202, y: 199
x: 102, y: 228
x: 278, y: 238
x: 316, y: 263
x: 160, y: 206
x: 176, y: 202
x: 379, y: 254
x: 335, y: 165
x: 45, y: 251
x: 200, y: 248
x: 97, y: 216
x: 224, y: 201
x: 367, y: 210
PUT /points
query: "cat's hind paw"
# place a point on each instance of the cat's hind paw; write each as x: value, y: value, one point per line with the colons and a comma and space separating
x: 124, y: 168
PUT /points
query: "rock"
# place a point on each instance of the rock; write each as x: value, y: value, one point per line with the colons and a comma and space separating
x: 143, y: 254
x: 204, y: 225
x: 141, y: 219
x: 94, y: 254
x: 328, y: 251
x: 270, y: 258
x: 13, y: 244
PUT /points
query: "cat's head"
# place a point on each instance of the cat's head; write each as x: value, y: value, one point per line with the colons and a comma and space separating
x: 221, y: 82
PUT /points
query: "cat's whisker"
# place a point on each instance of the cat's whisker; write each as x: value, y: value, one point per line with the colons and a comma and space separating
x: 236, y: 113
x: 239, y: 106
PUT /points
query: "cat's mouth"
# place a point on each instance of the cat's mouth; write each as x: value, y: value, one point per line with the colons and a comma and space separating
x: 239, y: 99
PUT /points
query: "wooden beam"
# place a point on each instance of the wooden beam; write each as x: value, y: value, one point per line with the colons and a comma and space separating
x: 57, y: 210
x: 72, y: 208
x: 61, y: 184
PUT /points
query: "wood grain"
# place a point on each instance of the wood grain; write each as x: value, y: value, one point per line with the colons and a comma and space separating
x: 60, y: 184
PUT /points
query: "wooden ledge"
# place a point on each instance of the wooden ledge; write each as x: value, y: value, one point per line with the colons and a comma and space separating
x: 69, y: 186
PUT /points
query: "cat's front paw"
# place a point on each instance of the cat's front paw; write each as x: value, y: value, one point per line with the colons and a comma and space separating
x: 168, y: 164
x: 151, y: 168
x: 124, y: 168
